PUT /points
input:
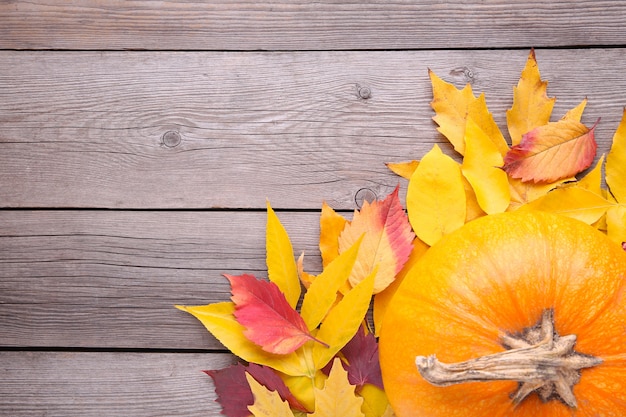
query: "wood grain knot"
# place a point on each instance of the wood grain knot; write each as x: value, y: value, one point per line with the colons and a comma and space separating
x: 363, y: 195
x: 171, y: 139
x: 364, y: 92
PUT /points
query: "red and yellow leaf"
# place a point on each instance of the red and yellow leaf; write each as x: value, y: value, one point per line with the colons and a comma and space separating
x: 281, y: 263
x: 269, y: 320
x: 616, y: 163
x: 531, y: 106
x: 387, y: 236
x: 552, y: 152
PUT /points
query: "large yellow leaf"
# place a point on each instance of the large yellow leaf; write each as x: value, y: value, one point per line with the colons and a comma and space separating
x: 573, y: 201
x: 219, y: 320
x: 342, y: 322
x: 267, y: 403
x: 531, y: 106
x: 386, y: 240
x: 337, y: 399
x: 616, y: 163
x: 451, y: 105
x: 482, y: 167
x: 478, y: 112
x: 322, y: 292
x: 331, y: 226
x: 436, y: 197
x: 281, y: 264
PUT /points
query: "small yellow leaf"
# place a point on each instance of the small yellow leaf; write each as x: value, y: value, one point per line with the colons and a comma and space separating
x: 322, y: 293
x: 306, y: 278
x: 337, y: 399
x: 281, y: 264
x: 343, y: 321
x: 450, y: 105
x: 267, y: 403
x: 573, y: 201
x: 375, y: 402
x: 616, y: 163
x: 482, y: 168
x: 531, y: 106
x: 478, y: 112
x: 616, y: 224
x: 435, y: 197
x: 403, y: 169
x: 593, y: 180
x: 525, y: 192
x: 576, y: 113
x: 472, y: 208
x: 219, y: 320
x: 331, y: 226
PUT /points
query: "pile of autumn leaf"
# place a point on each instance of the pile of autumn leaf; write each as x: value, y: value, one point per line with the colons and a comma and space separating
x: 323, y: 359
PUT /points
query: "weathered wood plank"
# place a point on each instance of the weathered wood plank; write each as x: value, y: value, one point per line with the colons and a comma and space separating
x: 110, y: 279
x: 304, y: 25
x: 87, y: 130
x: 86, y: 384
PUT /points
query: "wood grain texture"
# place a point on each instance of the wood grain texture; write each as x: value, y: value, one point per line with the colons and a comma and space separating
x: 66, y: 384
x: 87, y: 129
x: 110, y: 279
x: 305, y: 25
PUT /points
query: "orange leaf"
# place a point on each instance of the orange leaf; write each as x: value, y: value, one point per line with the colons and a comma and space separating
x: 531, y: 106
x: 552, y: 152
x: 386, y: 242
x: 331, y: 226
x: 269, y: 320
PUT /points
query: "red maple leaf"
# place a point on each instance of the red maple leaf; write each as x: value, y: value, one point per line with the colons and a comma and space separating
x: 234, y: 394
x: 269, y: 320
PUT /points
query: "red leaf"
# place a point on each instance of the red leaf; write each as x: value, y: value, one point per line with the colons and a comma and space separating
x: 552, y: 152
x: 269, y: 320
x: 234, y: 394
x: 361, y: 360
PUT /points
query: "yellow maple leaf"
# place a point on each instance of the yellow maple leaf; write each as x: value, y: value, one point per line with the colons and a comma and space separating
x: 477, y: 111
x: 450, y: 105
x: 267, y: 403
x: 281, y: 264
x: 436, y: 197
x: 531, y: 106
x: 482, y: 168
x: 337, y: 398
x: 616, y: 163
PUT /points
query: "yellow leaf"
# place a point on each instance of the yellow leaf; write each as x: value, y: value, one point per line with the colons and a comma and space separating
x: 616, y: 163
x: 472, y: 208
x: 331, y: 226
x: 478, y: 112
x: 219, y: 320
x: 267, y: 403
x: 302, y: 387
x: 306, y: 278
x: 322, y: 293
x: 375, y: 402
x: 525, y: 192
x: 342, y: 322
x: 337, y: 399
x: 450, y: 105
x: 403, y: 169
x: 593, y: 180
x: 383, y: 298
x: 531, y: 106
x: 576, y: 113
x: 482, y: 168
x: 436, y: 197
x: 281, y: 264
x: 575, y: 202
x: 616, y: 224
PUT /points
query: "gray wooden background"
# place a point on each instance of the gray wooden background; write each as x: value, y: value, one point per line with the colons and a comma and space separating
x: 139, y: 141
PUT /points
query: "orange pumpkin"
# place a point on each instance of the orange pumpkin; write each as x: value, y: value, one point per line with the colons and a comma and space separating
x: 525, y: 314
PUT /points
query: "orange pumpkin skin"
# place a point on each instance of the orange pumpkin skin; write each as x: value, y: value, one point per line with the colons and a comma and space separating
x: 495, y: 276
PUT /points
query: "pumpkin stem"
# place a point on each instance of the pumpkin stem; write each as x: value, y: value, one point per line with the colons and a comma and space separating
x: 539, y: 359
